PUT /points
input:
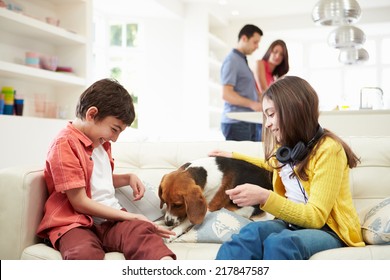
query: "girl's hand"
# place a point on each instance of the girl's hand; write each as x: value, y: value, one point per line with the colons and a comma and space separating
x: 219, y: 153
x: 248, y: 195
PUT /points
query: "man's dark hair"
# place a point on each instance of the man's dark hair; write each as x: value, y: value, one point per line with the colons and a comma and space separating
x: 110, y: 98
x: 248, y: 30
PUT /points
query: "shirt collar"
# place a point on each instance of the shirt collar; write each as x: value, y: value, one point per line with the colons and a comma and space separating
x: 81, y: 136
x: 240, y: 54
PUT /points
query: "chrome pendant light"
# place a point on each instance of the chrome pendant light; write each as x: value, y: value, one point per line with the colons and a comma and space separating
x: 353, y: 56
x: 336, y: 12
x: 346, y: 36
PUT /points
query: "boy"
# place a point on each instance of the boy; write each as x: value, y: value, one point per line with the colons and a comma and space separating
x: 83, y: 219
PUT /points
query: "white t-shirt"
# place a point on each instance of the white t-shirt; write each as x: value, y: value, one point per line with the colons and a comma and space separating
x: 102, y: 186
x: 294, y: 189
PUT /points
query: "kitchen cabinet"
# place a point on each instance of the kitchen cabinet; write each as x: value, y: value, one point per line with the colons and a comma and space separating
x: 27, y: 30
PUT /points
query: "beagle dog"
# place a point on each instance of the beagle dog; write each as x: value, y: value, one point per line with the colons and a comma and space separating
x: 199, y: 186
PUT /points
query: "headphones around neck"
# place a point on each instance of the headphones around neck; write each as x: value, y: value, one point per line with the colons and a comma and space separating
x: 287, y: 155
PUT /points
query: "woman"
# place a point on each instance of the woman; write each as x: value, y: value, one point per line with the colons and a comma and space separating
x: 272, y: 66
x: 311, y: 200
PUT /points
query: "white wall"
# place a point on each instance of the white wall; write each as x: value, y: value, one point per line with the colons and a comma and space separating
x: 26, y: 140
x: 160, y: 97
x: 174, y: 99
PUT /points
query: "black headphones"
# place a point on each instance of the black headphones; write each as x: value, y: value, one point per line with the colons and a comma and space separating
x: 287, y: 155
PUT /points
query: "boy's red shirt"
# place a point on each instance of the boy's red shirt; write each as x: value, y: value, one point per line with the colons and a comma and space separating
x: 69, y: 165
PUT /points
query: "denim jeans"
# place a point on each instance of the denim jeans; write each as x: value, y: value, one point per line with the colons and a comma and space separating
x: 242, y: 131
x: 275, y: 240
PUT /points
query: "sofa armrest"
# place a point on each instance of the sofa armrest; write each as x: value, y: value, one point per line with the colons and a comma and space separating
x: 23, y: 194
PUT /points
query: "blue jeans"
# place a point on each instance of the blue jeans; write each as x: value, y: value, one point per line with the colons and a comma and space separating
x: 242, y: 131
x: 275, y: 240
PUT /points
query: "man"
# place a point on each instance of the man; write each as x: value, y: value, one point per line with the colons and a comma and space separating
x: 239, y: 89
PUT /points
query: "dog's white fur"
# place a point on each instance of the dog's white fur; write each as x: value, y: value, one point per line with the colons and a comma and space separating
x: 214, y: 179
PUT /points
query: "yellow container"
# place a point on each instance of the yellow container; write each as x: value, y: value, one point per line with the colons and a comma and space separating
x: 9, y: 95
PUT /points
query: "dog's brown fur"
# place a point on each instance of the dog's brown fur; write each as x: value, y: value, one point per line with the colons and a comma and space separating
x: 181, y: 194
x: 185, y: 193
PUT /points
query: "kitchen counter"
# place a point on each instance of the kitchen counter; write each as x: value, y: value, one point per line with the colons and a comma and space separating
x: 342, y: 122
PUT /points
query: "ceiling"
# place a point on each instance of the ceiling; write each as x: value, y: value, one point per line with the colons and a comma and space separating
x: 248, y: 9
x: 243, y: 9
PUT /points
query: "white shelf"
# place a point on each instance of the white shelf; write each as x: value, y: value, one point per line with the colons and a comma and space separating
x: 216, y: 43
x: 252, y: 117
x: 217, y: 110
x: 70, y: 42
x: 214, y: 63
x: 217, y: 21
x: 218, y: 49
x: 22, y: 72
x: 27, y: 26
x: 214, y: 86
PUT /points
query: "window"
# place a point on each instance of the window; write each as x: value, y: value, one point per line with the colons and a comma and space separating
x: 132, y: 35
x: 117, y: 54
x: 124, y: 35
x: 116, y: 35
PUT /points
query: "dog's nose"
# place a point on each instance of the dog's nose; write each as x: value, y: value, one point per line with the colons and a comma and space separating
x: 169, y: 223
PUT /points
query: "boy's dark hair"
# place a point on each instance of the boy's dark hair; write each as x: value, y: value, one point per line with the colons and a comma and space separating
x: 110, y: 98
x: 248, y: 30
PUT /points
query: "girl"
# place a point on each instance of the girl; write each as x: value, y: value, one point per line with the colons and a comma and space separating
x: 311, y: 200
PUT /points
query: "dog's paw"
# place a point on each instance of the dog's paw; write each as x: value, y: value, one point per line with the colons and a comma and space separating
x: 160, y: 222
x: 170, y: 239
x: 178, y: 230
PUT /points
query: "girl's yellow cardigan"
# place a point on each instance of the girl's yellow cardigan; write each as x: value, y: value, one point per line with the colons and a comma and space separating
x: 330, y: 200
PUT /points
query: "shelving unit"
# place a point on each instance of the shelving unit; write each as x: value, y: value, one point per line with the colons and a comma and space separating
x: 218, y: 49
x: 70, y: 42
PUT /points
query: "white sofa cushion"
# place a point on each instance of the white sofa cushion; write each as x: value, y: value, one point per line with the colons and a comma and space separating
x: 376, y: 223
x: 148, y: 206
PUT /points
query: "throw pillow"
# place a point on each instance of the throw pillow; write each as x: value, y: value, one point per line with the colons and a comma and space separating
x: 376, y: 224
x: 217, y: 227
x: 149, y: 205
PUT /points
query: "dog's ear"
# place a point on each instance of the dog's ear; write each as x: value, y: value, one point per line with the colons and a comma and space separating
x: 162, y: 201
x: 196, y: 205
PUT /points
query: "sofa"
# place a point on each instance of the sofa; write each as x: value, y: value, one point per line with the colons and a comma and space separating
x: 23, y: 193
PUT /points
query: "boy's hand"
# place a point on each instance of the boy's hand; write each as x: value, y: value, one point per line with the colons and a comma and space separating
x: 137, y: 187
x: 164, y: 232
x: 160, y: 230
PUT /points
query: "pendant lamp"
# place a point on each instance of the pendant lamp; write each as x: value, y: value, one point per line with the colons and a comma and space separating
x: 336, y: 12
x: 353, y: 56
x: 346, y: 36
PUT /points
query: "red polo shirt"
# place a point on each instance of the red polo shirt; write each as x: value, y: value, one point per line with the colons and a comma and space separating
x: 69, y: 165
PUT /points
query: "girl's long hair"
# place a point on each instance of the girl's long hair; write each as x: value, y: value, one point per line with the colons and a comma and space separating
x: 297, y: 106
